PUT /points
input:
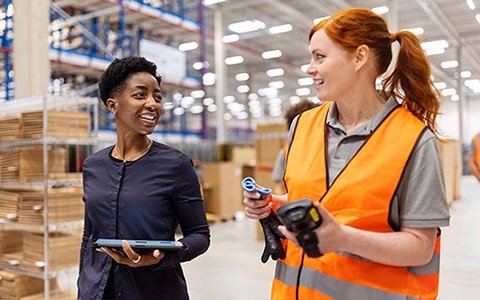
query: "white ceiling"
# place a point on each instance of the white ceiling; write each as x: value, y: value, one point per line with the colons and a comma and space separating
x: 451, y: 20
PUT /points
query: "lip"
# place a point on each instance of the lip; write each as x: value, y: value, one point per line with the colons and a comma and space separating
x: 151, y: 120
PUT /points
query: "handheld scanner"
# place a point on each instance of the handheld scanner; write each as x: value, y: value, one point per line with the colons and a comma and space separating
x: 248, y: 184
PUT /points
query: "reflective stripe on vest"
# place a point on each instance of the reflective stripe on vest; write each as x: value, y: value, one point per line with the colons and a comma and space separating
x: 476, y: 141
x: 356, y: 198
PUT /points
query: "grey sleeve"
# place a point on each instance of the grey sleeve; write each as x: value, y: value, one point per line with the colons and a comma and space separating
x: 421, y: 194
x: 279, y: 167
x: 471, y: 149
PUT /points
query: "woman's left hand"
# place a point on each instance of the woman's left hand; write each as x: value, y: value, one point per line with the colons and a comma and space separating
x: 131, y: 258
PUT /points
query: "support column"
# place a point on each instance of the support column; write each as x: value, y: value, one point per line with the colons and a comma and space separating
x: 31, y: 63
x: 220, y: 74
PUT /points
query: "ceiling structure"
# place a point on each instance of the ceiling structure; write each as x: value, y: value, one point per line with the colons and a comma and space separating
x: 449, y: 20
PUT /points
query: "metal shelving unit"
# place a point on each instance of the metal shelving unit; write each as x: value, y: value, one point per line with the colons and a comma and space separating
x: 46, y: 185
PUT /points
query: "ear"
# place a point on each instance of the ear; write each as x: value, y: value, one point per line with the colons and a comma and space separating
x: 112, y: 105
x: 362, y: 55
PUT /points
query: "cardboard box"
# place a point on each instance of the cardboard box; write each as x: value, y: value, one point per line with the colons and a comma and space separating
x: 269, y: 139
x: 451, y: 156
x: 224, y: 193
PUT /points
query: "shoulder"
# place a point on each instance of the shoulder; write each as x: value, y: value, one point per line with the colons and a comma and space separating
x: 100, y: 155
x: 169, y: 153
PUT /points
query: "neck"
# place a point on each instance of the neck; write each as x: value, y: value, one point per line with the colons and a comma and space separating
x: 131, y: 153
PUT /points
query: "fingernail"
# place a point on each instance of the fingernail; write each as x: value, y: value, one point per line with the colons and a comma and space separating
x: 156, y: 253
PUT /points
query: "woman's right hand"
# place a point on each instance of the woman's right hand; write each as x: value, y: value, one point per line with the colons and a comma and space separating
x: 256, y: 208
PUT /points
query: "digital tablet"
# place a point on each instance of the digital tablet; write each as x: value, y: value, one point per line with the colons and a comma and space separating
x: 141, y: 245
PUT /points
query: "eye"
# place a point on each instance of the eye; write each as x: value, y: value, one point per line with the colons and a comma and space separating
x: 158, y: 98
x: 139, y: 95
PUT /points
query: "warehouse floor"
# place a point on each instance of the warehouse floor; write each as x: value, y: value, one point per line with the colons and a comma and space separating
x: 231, y: 269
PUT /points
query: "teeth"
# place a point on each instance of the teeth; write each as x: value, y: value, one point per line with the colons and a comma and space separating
x: 319, y: 82
x: 148, y: 117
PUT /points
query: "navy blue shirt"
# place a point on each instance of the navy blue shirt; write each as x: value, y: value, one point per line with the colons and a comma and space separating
x: 143, y: 199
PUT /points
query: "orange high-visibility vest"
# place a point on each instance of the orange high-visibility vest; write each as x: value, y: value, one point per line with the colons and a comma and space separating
x: 359, y: 197
x: 476, y: 142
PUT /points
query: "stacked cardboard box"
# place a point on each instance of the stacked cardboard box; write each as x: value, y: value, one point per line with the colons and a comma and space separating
x: 27, y: 164
x: 10, y: 129
x: 15, y: 286
x: 10, y: 242
x: 63, y: 248
x: 60, y: 124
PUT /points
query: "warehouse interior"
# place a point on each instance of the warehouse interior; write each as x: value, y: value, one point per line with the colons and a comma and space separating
x: 230, y: 69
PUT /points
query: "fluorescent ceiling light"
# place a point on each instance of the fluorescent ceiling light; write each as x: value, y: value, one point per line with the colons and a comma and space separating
x: 271, y: 54
x: 212, y: 2
x: 230, y: 38
x: 197, y: 94
x: 243, y: 89
x: 416, y: 30
x: 275, y: 72
x: 280, y: 29
x: 471, y: 4
x: 434, y: 47
x: 304, y: 68
x: 188, y: 46
x: 305, y: 81
x: 449, y: 64
x: 381, y: 10
x: 477, y: 17
x: 209, y: 78
x: 234, y: 60
x: 449, y: 92
x: 455, y: 98
x: 440, y: 85
x: 302, y: 92
x: 242, y: 76
x: 318, y: 20
x: 246, y: 26
x: 473, y: 84
x: 277, y: 84
x: 465, y: 74
x: 196, y: 109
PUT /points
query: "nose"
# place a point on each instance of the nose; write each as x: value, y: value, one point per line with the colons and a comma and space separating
x: 150, y: 102
x: 311, y: 69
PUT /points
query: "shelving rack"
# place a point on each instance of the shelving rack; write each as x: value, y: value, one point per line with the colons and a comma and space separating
x: 46, y: 104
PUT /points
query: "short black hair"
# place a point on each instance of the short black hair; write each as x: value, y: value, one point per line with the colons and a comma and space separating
x: 113, y: 79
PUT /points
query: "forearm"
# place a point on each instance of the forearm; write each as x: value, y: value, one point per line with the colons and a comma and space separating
x: 473, y: 167
x: 408, y: 247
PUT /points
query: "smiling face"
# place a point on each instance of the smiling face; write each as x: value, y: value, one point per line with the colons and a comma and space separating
x: 137, y: 105
x: 332, y: 67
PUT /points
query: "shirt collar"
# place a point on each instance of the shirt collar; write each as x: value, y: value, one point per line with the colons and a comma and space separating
x: 332, y: 117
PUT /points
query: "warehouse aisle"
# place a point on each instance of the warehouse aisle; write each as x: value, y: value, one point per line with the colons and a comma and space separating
x: 232, y: 270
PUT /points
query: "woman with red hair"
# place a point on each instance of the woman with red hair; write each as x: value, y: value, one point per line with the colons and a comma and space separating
x: 368, y: 158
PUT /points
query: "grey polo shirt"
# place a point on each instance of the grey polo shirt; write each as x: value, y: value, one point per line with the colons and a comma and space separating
x: 420, y: 200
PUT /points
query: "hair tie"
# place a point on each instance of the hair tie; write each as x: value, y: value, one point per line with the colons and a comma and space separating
x: 393, y: 37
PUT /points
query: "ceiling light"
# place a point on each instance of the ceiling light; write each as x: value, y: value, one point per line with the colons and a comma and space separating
x: 294, y: 100
x: 197, y: 94
x: 211, y: 2
x: 242, y: 76
x: 449, y: 92
x: 228, y: 99
x: 465, y: 74
x: 246, y: 26
x: 188, y: 46
x: 416, y: 30
x: 455, y: 98
x: 230, y: 38
x: 305, y: 81
x: 381, y: 10
x: 271, y: 54
x: 440, y: 85
x: 196, y: 109
x: 280, y: 29
x: 212, y: 108
x: 471, y: 4
x: 178, y: 111
x: 168, y: 105
x: 252, y: 97
x: 234, y: 60
x: 208, y: 101
x: 268, y: 92
x: 304, y: 68
x: 449, y: 64
x: 302, y: 92
x: 276, y: 84
x: 477, y: 17
x: 318, y: 20
x: 275, y: 72
x: 209, y: 78
x: 242, y: 89
x: 434, y: 47
x: 473, y: 84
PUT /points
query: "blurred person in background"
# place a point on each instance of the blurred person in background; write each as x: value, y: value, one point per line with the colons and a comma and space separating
x: 474, y: 156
